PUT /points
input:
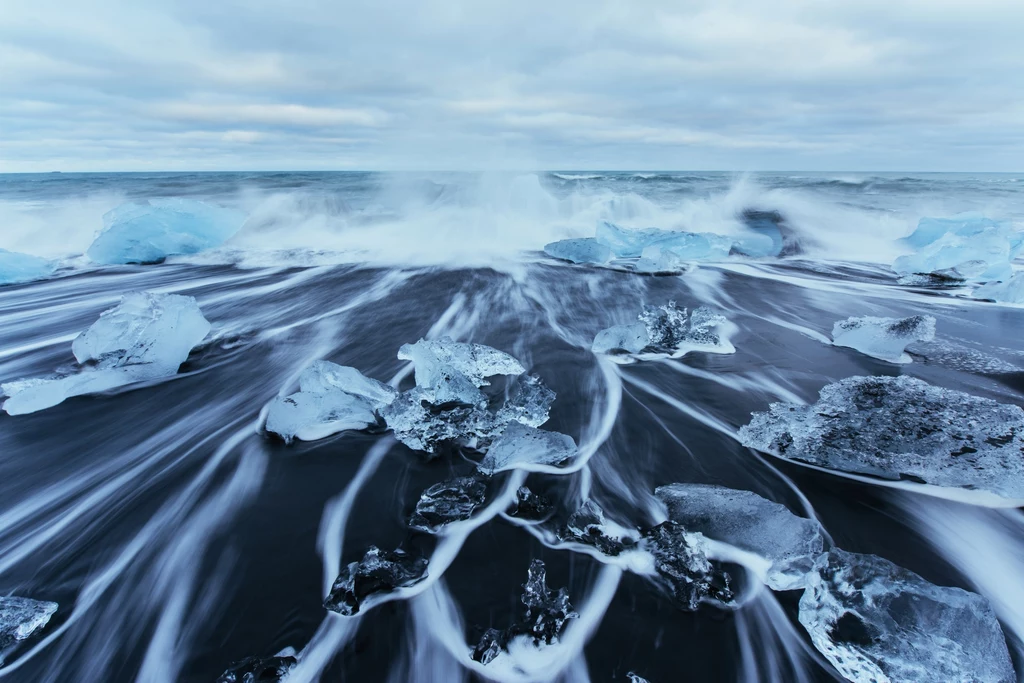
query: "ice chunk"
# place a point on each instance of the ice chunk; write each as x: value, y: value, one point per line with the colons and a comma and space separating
x: 530, y: 506
x: 657, y: 259
x: 980, y: 256
x: 20, y: 618
x: 15, y: 267
x: 380, y: 571
x: 875, y: 621
x: 542, y: 623
x: 450, y: 501
x: 585, y: 250
x: 884, y: 338
x: 331, y: 398
x: 684, y: 246
x: 522, y: 446
x: 588, y: 525
x: 261, y: 669
x: 667, y: 329
x: 749, y: 522
x: 149, y: 233
x: 629, y: 338
x: 756, y: 245
x: 965, y: 224
x: 529, y: 402
x: 636, y: 678
x: 626, y: 243
x: 451, y: 371
x: 681, y: 559
x: 1010, y: 290
x: 145, y: 337
x: 900, y: 427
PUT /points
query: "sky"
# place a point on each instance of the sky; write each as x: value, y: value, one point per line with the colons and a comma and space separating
x: 741, y: 85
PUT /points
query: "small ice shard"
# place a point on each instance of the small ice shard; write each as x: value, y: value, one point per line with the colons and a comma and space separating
x: 20, y: 618
x: 261, y: 669
x: 588, y: 525
x: 681, y: 559
x: 900, y: 427
x: 522, y: 446
x: 145, y: 337
x: 380, y: 571
x: 875, y: 621
x: 149, y: 233
x: 667, y: 329
x: 451, y: 371
x: 1010, y: 290
x: 331, y: 398
x: 884, y: 338
x: 15, y: 267
x: 530, y: 506
x: 450, y: 501
x: 585, y: 250
x: 749, y: 522
x: 660, y: 260
x: 636, y: 678
x: 930, y: 229
x: 629, y: 338
x: 544, y: 619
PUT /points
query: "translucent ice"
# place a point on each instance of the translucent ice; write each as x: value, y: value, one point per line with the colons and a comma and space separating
x: 588, y: 525
x: 149, y: 233
x: 260, y: 669
x: 660, y: 260
x: 667, y: 329
x: 900, y: 427
x: 1010, y: 291
x: 450, y: 501
x: 626, y: 243
x: 629, y: 338
x: 585, y: 250
x: 884, y: 338
x: 522, y: 446
x: 20, y: 618
x: 970, y: 245
x: 530, y: 506
x: 877, y: 622
x: 680, y: 558
x: 749, y: 522
x: 331, y: 398
x: 15, y: 267
x: 930, y: 229
x: 146, y: 336
x: 380, y: 571
x: 684, y: 246
x: 451, y: 371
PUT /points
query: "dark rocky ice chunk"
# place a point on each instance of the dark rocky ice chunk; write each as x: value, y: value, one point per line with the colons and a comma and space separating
x: 667, y: 329
x: 884, y: 338
x: 450, y: 501
x: 588, y: 525
x: 900, y: 427
x: 875, y: 621
x: 530, y: 506
x: 681, y: 559
x: 749, y: 522
x: 21, y: 618
x: 260, y: 669
x: 380, y: 571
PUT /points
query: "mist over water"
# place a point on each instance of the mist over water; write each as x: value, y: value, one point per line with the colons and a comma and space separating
x: 178, y: 538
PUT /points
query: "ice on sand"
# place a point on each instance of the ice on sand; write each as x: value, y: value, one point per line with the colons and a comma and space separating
x: 20, y: 618
x: 668, y: 329
x: 929, y: 229
x: 590, y: 526
x: 449, y: 371
x: 523, y: 446
x: 150, y: 232
x: 261, y: 669
x: 968, y: 246
x: 681, y: 560
x: 688, y: 246
x: 450, y: 501
x: 145, y: 337
x: 898, y: 428
x: 15, y: 267
x: 749, y: 522
x: 875, y: 621
x: 656, y: 259
x: 884, y: 338
x: 584, y: 250
x: 1010, y: 290
x: 331, y: 398
x: 378, y: 573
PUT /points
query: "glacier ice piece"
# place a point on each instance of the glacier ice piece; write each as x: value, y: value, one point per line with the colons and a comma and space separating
x: 900, y: 427
x: 1010, y: 290
x: 380, y: 571
x: 583, y: 250
x: 21, y: 618
x: 982, y: 254
x: 450, y: 501
x: 261, y: 669
x: 149, y: 233
x: 451, y: 371
x: 530, y: 506
x: 749, y: 522
x: 884, y: 338
x: 681, y: 559
x: 629, y: 338
x: 528, y: 402
x: 145, y: 337
x: 588, y: 525
x: 521, y: 445
x: 636, y: 678
x: 875, y: 621
x: 15, y: 267
x: 332, y: 398
x: 929, y: 229
x: 684, y: 246
x: 627, y: 243
x: 756, y: 245
x: 543, y: 621
x: 660, y: 260
x: 667, y: 329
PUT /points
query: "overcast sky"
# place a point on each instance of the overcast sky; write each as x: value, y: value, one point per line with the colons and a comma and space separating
x: 558, y: 84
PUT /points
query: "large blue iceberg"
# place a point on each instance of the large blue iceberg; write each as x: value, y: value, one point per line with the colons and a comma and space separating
x: 15, y: 267
x: 149, y: 233
x: 966, y: 247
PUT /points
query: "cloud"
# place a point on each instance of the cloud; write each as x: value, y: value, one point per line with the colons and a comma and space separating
x: 731, y: 84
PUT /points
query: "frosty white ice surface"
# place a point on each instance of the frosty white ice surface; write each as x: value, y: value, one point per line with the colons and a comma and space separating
x: 145, y: 337
x: 630, y: 338
x: 451, y: 371
x: 930, y: 229
x: 681, y: 559
x: 884, y: 338
x: 666, y: 329
x: 15, y: 267
x: 331, y: 398
x: 900, y: 427
x: 875, y: 621
x: 749, y: 522
x: 149, y: 233
x: 1010, y: 291
x: 522, y: 446
x: 585, y: 250
x: 659, y: 259
x: 380, y: 571
x: 20, y: 618
x: 450, y: 501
